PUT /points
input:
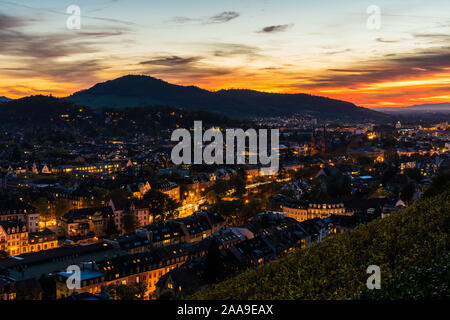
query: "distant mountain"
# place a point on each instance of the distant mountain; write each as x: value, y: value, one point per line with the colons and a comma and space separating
x: 4, y: 99
x: 35, y: 108
x: 60, y: 115
x: 437, y: 108
x: 132, y: 91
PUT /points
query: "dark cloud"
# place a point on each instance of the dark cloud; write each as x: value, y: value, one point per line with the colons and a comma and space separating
x: 433, y: 38
x: 171, y: 61
x: 393, y: 68
x: 277, y: 28
x: 38, y: 55
x: 218, y: 18
x: 181, y: 20
x: 185, y: 67
x: 386, y: 41
x: 223, y: 17
x: 8, y: 22
x: 232, y: 49
x: 337, y: 52
x: 20, y: 44
x: 188, y: 71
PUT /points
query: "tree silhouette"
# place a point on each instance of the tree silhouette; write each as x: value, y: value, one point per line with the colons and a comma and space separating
x: 160, y: 205
x: 129, y: 222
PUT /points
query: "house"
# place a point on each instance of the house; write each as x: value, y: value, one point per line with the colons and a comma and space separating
x: 83, y: 224
x: 147, y: 267
x: 200, y: 225
x: 305, y: 210
x: 178, y: 280
x: 16, y: 209
x: 36, y: 264
x: 137, y: 207
x: 15, y: 239
x: 28, y: 289
x: 277, y: 235
x: 138, y: 190
x: 131, y: 243
x: 169, y: 188
x: 163, y: 234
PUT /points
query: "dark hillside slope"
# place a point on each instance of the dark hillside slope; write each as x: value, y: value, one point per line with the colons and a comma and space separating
x: 411, y: 247
x: 132, y: 91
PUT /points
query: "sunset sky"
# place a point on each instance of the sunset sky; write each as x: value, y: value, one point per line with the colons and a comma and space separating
x: 317, y: 47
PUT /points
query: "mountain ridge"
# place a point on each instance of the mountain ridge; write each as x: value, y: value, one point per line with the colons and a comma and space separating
x: 139, y: 90
x: 4, y: 99
x: 427, y: 108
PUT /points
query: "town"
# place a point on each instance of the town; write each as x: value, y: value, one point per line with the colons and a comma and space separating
x: 99, y: 190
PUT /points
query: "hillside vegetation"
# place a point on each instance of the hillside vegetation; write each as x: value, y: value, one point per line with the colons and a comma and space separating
x: 133, y: 91
x: 411, y: 247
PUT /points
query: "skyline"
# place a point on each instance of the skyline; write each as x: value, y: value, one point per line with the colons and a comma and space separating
x: 276, y: 46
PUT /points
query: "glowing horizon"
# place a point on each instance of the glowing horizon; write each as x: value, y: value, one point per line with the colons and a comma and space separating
x: 284, y: 46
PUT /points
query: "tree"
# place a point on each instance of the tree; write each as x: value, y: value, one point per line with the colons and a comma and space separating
x: 16, y: 155
x: 43, y: 207
x: 139, y: 288
x: 61, y: 207
x: 117, y: 194
x: 211, y: 197
x: 160, y: 205
x: 121, y: 292
x: 129, y: 222
x: 391, y: 157
x: 220, y: 186
x: 407, y: 192
x: 55, y: 209
x: 414, y: 174
x: 238, y: 183
x: 170, y: 208
x: 438, y: 183
x: 111, y: 226
x: 48, y: 286
x: 214, y: 267
x: 3, y: 254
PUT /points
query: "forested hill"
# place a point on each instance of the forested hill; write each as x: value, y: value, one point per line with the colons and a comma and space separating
x: 411, y: 247
x: 132, y: 91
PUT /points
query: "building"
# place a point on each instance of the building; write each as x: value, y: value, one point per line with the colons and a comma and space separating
x: 21, y: 211
x: 15, y: 239
x: 169, y: 188
x: 196, y: 227
x: 28, y: 289
x: 108, y: 168
x: 131, y: 243
x: 36, y: 264
x: 301, y: 210
x: 200, y: 225
x: 138, y: 190
x: 82, y: 224
x: 136, y: 207
x: 147, y: 267
x: 276, y: 235
x: 163, y: 234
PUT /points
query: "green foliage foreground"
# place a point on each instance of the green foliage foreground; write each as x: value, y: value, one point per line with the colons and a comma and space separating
x: 411, y: 247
